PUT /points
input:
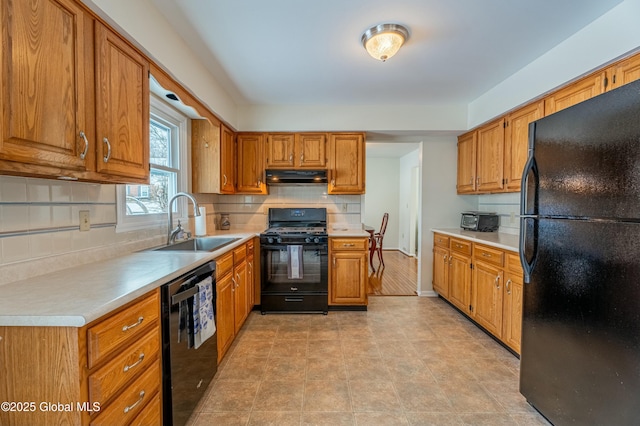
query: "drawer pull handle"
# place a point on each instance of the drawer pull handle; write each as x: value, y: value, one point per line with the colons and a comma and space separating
x: 294, y: 288
x: 129, y: 367
x: 132, y: 406
x: 128, y: 327
x: 348, y: 245
x: 486, y: 254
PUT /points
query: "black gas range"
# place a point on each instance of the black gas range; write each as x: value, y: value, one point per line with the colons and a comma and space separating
x: 294, y: 255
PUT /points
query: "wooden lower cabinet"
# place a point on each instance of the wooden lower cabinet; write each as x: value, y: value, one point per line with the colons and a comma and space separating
x: 107, y: 372
x: 235, y: 294
x: 484, y: 282
x: 348, y: 271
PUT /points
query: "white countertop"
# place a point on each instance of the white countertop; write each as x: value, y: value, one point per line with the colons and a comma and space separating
x: 348, y: 232
x: 76, y: 296
x: 495, y: 239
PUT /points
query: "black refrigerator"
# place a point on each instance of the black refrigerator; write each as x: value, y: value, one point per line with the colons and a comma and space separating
x: 580, y: 249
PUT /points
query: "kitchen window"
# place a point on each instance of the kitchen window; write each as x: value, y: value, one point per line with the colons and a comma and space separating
x: 145, y: 206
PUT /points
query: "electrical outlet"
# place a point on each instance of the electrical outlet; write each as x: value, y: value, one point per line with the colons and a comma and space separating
x: 513, y: 218
x: 344, y: 207
x: 85, y: 221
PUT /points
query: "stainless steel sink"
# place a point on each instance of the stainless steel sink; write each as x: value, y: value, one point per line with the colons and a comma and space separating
x: 200, y: 244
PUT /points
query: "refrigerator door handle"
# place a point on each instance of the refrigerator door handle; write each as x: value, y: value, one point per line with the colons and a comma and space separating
x: 527, y: 264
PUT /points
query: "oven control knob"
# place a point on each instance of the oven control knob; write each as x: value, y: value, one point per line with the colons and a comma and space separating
x: 316, y: 240
x: 270, y: 240
x: 307, y: 240
x: 278, y: 240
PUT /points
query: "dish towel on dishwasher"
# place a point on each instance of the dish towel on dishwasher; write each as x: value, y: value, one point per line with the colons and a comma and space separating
x: 294, y: 266
x: 204, y: 325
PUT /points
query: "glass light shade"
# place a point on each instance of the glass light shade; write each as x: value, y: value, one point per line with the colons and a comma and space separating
x: 384, y: 41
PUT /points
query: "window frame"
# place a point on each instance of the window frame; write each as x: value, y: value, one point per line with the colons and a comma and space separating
x: 162, y: 112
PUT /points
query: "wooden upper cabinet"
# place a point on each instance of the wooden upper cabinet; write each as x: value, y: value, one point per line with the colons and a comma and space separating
x: 212, y: 158
x: 311, y: 150
x: 280, y: 150
x: 623, y: 72
x: 44, y: 95
x: 575, y: 93
x: 467, y: 163
x: 516, y: 144
x: 490, y: 157
x: 228, y: 163
x: 122, y: 107
x: 296, y: 150
x: 346, y: 163
x: 74, y: 98
x: 250, y: 152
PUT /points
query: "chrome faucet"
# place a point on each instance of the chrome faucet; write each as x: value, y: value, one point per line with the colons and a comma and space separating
x: 171, y: 233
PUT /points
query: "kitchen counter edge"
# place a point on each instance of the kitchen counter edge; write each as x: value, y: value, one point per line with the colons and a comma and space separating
x: 44, y: 301
x: 496, y: 239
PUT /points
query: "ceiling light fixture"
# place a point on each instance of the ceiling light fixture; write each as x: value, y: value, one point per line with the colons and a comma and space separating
x: 384, y: 40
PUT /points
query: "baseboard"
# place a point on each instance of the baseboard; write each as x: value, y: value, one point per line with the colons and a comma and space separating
x: 429, y: 293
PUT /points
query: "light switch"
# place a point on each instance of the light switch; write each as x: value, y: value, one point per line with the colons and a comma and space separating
x: 85, y: 222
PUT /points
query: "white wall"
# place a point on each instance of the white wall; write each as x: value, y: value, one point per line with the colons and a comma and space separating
x: 406, y: 194
x: 382, y: 196
x: 440, y: 204
x: 608, y: 37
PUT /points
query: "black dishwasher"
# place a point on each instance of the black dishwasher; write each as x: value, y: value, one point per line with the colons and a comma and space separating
x: 187, y: 366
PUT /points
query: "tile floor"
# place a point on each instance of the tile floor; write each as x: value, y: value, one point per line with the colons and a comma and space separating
x: 407, y: 360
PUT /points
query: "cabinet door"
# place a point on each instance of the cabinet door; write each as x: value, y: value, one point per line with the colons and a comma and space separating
x: 575, y: 93
x: 228, y: 161
x: 280, y: 150
x: 460, y: 281
x: 311, y: 150
x: 225, y: 323
x: 347, y: 168
x: 517, y: 143
x: 205, y: 156
x: 512, y: 310
x: 122, y: 107
x: 43, y: 97
x: 250, y: 152
x: 241, y: 295
x: 486, y: 297
x: 490, y: 159
x: 441, y: 271
x: 624, y: 72
x: 467, y: 163
x: 348, y: 278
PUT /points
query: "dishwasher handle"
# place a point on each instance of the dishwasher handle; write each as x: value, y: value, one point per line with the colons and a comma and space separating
x: 184, y: 295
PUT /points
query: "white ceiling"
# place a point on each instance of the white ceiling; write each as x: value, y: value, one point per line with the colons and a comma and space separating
x: 297, y: 52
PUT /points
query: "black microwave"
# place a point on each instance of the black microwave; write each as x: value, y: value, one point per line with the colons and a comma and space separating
x: 480, y: 221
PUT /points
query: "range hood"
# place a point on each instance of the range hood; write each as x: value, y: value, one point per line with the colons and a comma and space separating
x: 296, y: 177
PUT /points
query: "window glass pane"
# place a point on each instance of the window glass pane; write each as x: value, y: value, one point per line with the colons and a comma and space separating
x: 160, y: 144
x: 153, y: 198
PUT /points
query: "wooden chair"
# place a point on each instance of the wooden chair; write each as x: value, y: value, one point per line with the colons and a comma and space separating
x: 376, y: 244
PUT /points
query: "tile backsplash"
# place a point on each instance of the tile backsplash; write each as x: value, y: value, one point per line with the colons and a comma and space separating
x: 250, y: 211
x: 39, y: 223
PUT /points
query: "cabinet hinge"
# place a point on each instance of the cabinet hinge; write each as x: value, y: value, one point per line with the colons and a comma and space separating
x: 470, y: 308
x: 471, y: 265
x: 606, y: 82
x: 504, y: 125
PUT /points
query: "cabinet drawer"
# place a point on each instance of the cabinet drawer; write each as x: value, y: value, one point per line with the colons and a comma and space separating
x: 239, y: 254
x: 349, y: 244
x: 150, y: 415
x: 513, y: 263
x: 109, y: 379
x: 488, y: 254
x: 132, y: 400
x: 128, y: 324
x: 461, y: 246
x: 440, y: 240
x: 224, y: 265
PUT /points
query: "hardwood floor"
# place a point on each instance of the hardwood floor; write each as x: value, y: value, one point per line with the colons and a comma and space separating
x: 399, y: 276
